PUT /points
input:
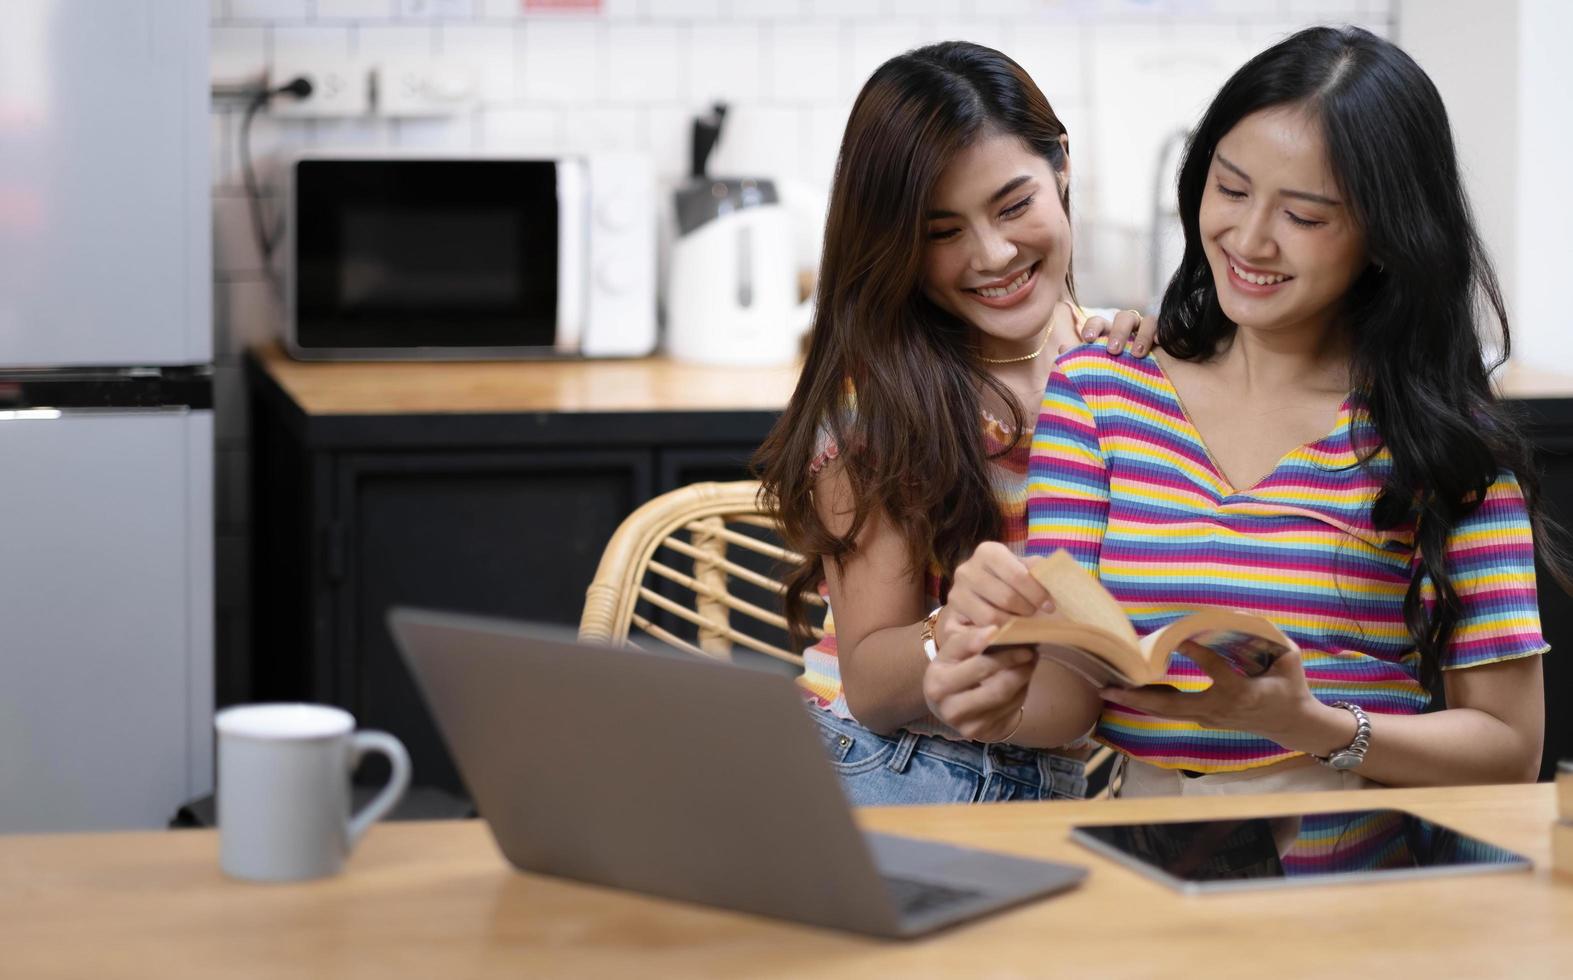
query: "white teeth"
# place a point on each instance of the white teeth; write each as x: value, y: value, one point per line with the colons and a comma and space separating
x: 1257, y: 280
x: 1014, y: 285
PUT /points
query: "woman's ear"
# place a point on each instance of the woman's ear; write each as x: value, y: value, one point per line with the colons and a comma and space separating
x: 1064, y: 172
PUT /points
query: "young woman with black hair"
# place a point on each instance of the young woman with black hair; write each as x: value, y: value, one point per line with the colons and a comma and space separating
x: 1317, y: 442
x: 945, y: 292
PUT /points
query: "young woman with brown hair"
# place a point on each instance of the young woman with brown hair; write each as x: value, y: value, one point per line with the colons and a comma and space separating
x: 944, y: 296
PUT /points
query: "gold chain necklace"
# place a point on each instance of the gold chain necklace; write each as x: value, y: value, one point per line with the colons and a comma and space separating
x: 1047, y: 333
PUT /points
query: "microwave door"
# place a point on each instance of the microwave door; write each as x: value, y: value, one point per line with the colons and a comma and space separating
x: 573, y: 235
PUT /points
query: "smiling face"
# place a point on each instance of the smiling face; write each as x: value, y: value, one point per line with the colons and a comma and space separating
x: 999, y: 243
x: 1281, y: 241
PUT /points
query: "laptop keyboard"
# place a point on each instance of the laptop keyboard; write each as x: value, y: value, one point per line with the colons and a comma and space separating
x: 914, y: 897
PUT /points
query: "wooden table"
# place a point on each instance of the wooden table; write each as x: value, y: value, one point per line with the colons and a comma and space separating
x: 436, y: 900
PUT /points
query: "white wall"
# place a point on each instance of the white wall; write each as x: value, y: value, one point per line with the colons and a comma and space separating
x: 1471, y: 52
x: 1123, y: 74
x: 1502, y: 69
x: 1543, y: 248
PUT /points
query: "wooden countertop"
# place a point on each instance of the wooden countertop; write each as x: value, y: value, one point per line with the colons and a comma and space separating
x: 436, y: 900
x: 653, y: 384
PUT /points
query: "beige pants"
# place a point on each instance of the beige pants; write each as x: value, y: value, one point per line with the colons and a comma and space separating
x: 1299, y: 775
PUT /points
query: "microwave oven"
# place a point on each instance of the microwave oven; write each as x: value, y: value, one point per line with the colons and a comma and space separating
x: 393, y: 256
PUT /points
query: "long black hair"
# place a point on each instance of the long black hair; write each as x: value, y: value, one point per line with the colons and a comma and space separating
x: 913, y: 449
x: 1418, y: 357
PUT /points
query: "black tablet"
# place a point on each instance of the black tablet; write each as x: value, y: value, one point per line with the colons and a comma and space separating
x: 1298, y: 849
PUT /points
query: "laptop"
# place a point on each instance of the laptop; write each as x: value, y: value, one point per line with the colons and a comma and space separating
x: 677, y: 776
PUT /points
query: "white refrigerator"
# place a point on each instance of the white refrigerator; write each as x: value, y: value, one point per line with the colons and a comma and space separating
x: 106, y: 421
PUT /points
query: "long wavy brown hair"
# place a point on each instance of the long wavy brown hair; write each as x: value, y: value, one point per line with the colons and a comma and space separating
x: 913, y: 448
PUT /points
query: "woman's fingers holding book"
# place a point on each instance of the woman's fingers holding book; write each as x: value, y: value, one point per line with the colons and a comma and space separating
x: 994, y: 585
x: 1273, y: 705
x: 984, y: 709
x: 966, y: 642
x: 970, y: 691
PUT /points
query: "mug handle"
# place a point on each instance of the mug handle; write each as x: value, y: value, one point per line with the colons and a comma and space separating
x: 398, y: 780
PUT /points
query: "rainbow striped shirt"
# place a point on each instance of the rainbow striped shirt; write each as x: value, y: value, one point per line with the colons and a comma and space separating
x: 1119, y: 477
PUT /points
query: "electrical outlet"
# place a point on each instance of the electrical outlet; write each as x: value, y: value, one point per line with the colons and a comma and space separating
x: 423, y: 87
x: 339, y: 87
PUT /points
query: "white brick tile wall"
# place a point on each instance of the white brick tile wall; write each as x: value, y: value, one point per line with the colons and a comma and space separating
x: 614, y: 10
x: 271, y: 10
x: 767, y: 9
x: 311, y: 41
x: 805, y: 63
x: 356, y: 9
x: 822, y: 10
x: 360, y: 134
x: 725, y: 61
x: 1021, y: 9
x: 560, y: 61
x: 451, y: 134
x: 535, y: 131
x: 395, y: 42
x: 500, y: 9
x: 238, y: 55
x: 488, y: 51
x: 670, y: 143
x: 606, y: 128
x: 1052, y: 55
x: 684, y: 10
x: 650, y: 63
x: 876, y: 42
x: 826, y: 125
x: 762, y: 141
x: 1328, y: 11
x: 926, y: 8
x: 445, y: 9
x: 988, y: 33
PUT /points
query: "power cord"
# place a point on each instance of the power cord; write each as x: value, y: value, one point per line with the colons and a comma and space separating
x: 299, y: 87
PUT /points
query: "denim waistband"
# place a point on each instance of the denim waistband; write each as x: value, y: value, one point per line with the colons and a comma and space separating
x: 1018, y: 761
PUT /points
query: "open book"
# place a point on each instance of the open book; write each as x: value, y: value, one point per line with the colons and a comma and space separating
x: 1088, y: 633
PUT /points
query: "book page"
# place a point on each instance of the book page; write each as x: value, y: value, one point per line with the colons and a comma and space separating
x: 1249, y: 643
x: 1117, y: 657
x: 1246, y: 652
x: 1085, y: 664
x: 1080, y: 596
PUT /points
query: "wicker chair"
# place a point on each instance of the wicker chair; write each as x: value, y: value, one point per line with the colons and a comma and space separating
x: 698, y: 569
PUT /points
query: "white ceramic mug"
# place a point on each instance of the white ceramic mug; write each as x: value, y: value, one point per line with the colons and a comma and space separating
x: 284, y: 789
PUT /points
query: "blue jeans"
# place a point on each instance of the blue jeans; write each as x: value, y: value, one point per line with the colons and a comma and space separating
x: 880, y: 770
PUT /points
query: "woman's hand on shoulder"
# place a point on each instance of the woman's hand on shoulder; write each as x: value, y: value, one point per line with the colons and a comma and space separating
x: 977, y: 691
x: 988, y: 589
x: 1129, y: 330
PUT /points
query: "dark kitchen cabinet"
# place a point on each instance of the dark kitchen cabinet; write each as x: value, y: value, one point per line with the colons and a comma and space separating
x: 469, y: 509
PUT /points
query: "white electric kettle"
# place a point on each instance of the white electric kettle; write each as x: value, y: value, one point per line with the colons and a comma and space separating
x: 732, y: 291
